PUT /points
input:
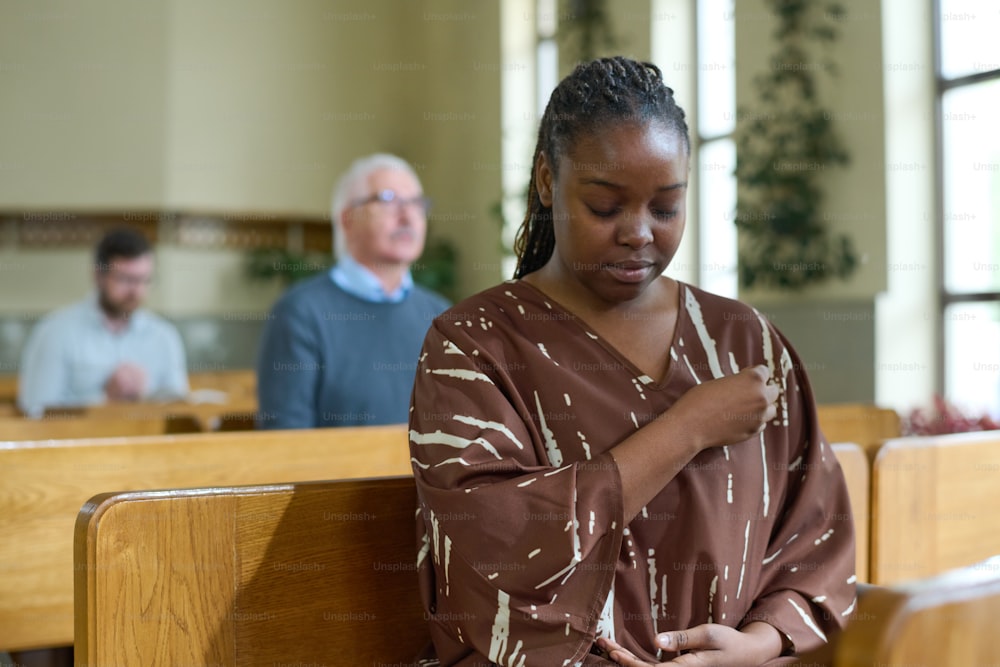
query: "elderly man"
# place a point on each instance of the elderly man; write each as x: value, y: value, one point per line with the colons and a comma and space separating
x: 341, y: 348
x: 105, y: 347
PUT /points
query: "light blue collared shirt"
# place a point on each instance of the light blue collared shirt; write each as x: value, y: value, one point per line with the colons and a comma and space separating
x: 354, y: 278
x: 71, y: 353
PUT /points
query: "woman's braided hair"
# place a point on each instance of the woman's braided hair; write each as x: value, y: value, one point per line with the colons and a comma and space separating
x: 598, y: 93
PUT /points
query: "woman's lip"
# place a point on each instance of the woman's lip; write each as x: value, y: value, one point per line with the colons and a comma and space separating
x: 630, y: 272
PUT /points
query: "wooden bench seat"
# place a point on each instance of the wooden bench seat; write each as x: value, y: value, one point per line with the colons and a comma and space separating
x: 44, y: 484
x: 864, y: 424
x: 854, y: 462
x: 76, y: 427
x: 324, y: 573
x: 298, y: 574
x: 945, y: 621
x: 935, y: 503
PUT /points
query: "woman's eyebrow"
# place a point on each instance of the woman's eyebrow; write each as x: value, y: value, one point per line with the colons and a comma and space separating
x: 618, y: 186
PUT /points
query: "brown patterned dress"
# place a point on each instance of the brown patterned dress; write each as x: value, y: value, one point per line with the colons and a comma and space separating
x: 525, y: 556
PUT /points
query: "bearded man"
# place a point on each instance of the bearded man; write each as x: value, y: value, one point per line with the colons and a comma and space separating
x: 106, y: 347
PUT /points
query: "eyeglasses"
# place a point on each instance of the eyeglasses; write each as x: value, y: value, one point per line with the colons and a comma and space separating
x: 419, y: 203
x: 130, y: 280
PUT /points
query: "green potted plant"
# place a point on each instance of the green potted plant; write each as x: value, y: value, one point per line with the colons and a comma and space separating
x: 785, y: 144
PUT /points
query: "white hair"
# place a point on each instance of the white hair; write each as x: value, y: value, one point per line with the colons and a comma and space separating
x: 347, y: 186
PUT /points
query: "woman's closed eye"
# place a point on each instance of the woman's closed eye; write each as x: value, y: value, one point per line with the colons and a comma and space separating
x: 664, y: 214
x: 604, y: 211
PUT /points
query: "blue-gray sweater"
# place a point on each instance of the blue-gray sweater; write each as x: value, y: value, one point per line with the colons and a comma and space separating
x: 328, y: 358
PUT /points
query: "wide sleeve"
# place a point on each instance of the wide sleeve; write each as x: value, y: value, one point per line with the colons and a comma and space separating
x: 288, y: 369
x: 517, y: 547
x: 44, y: 372
x: 807, y: 584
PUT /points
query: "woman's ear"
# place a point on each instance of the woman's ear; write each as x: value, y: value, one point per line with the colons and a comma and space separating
x: 543, y: 180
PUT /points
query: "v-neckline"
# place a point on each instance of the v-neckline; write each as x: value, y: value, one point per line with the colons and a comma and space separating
x: 612, y: 349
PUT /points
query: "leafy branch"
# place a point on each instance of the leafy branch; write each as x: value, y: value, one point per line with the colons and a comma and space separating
x: 785, y: 145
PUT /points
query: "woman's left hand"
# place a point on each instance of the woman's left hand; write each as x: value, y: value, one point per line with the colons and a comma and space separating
x: 708, y: 645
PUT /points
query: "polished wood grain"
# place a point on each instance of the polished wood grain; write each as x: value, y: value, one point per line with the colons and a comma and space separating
x: 935, y: 505
x: 296, y: 574
x: 44, y: 484
x: 854, y: 462
x: 63, y: 427
x: 216, y: 397
x: 949, y: 620
x: 866, y: 425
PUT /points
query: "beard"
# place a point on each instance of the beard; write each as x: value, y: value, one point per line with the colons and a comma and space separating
x: 121, y: 309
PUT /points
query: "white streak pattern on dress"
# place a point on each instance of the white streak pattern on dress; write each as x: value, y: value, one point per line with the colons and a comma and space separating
x: 654, y: 609
x: 546, y: 353
x: 823, y: 538
x: 447, y: 439
x: 691, y: 369
x: 461, y: 374
x: 501, y: 628
x: 425, y: 546
x: 712, y: 590
x: 494, y: 426
x: 606, y: 621
x: 447, y: 565
x: 809, y: 623
x: 763, y: 462
x: 551, y: 447
x: 743, y: 567
x: 711, y: 353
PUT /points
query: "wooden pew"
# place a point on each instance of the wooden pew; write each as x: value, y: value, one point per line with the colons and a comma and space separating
x: 947, y: 620
x: 8, y: 388
x: 237, y: 388
x: 324, y: 573
x: 297, y: 574
x: 208, y: 415
x: 237, y: 384
x: 8, y: 396
x: 44, y: 484
x: 64, y: 427
x: 854, y: 462
x: 867, y: 425
x: 935, y: 505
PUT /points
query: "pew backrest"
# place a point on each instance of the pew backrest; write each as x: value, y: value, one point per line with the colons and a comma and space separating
x: 864, y: 424
x: 935, y: 503
x: 44, y: 484
x: 941, y: 621
x: 296, y: 574
x: 236, y: 384
x: 206, y: 414
x: 854, y: 462
x: 73, y: 427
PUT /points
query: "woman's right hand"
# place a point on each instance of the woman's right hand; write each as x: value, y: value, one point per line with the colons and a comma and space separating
x: 726, y: 410
x: 715, y: 413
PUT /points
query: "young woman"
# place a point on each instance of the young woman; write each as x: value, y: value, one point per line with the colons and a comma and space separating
x: 614, y: 467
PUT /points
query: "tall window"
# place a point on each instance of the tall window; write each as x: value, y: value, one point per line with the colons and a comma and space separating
x: 716, y: 157
x: 968, y: 115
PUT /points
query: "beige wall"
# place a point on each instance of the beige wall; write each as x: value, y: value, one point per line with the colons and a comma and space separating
x: 268, y: 102
x: 82, y: 119
x: 243, y: 105
x: 452, y: 121
x: 190, y: 281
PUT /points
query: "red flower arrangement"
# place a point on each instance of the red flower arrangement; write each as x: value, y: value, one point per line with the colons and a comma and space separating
x: 945, y: 418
